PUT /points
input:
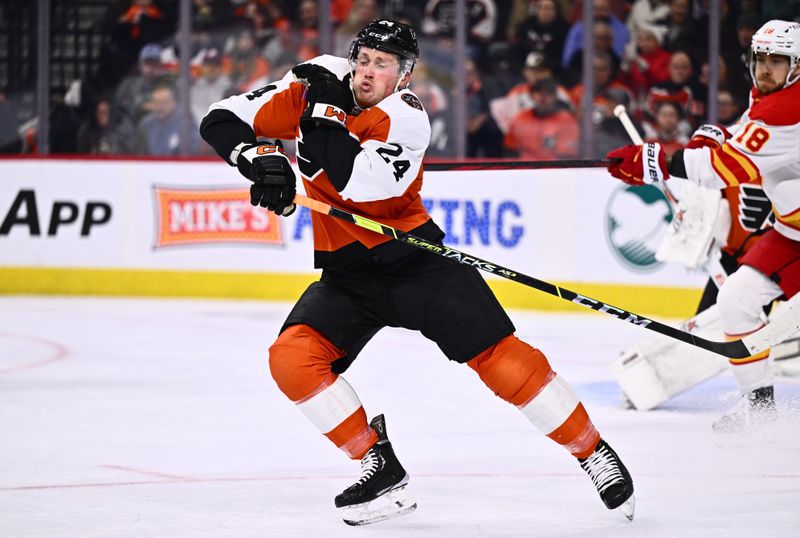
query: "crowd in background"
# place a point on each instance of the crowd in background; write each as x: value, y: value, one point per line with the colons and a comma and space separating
x: 523, y: 75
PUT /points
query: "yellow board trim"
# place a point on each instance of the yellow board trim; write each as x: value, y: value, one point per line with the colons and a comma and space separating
x: 652, y: 301
x: 152, y: 283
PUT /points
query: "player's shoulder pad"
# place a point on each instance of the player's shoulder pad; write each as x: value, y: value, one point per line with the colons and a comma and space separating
x: 335, y: 64
x: 778, y: 108
x: 403, y: 103
x: 409, y: 123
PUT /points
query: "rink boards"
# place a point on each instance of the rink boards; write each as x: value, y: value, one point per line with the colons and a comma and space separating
x: 186, y: 228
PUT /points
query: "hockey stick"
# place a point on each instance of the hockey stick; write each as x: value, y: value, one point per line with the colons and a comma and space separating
x: 786, y: 325
x: 633, y: 134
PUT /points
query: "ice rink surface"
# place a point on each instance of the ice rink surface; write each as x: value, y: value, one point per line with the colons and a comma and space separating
x: 155, y: 418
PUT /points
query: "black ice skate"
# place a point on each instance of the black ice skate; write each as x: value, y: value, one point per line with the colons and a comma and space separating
x: 611, y: 478
x: 755, y: 410
x: 380, y: 492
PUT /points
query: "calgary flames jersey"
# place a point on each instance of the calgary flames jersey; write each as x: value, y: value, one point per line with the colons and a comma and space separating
x: 386, y: 176
x: 764, y: 150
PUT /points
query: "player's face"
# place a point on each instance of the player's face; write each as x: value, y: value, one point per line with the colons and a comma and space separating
x: 771, y: 71
x: 376, y: 76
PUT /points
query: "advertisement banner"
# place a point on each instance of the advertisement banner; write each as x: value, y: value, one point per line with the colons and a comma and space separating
x: 564, y: 225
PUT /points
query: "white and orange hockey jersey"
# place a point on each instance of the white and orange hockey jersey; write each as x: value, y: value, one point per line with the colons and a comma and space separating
x: 387, y: 173
x: 764, y: 150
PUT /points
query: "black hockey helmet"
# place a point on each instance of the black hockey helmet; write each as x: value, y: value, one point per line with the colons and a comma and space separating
x: 389, y: 36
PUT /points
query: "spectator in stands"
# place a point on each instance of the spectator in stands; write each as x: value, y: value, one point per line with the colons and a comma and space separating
x: 361, y: 13
x: 724, y: 75
x: 604, y: 82
x: 682, y: 31
x: 736, y: 55
x: 99, y: 136
x: 159, y: 131
x: 666, y: 128
x: 210, y: 14
x: 729, y: 13
x: 650, y: 63
x: 546, y: 132
x: 537, y: 67
x: 603, y: 39
x: 245, y: 67
x: 437, y: 105
x: 617, y: 34
x: 439, y: 21
x: 609, y: 132
x: 646, y: 13
x: 133, y: 94
x: 729, y: 107
x: 306, y: 40
x: 211, y: 86
x: 682, y: 88
x: 544, y: 31
x: 139, y: 23
x: 484, y: 138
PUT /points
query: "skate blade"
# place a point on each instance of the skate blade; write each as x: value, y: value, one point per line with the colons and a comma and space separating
x: 628, y: 507
x: 391, y: 504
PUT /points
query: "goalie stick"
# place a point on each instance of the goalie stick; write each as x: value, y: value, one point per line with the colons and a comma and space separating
x: 777, y: 331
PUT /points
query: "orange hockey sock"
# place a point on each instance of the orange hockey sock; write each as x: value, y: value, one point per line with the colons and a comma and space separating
x: 300, y: 363
x: 521, y: 375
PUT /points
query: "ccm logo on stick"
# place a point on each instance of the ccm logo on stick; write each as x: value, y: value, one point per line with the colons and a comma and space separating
x: 24, y: 212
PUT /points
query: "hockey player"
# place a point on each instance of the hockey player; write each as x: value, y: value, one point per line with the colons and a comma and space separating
x: 763, y: 150
x: 361, y: 135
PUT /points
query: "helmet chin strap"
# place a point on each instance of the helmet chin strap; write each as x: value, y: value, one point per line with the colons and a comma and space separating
x: 792, y: 69
x: 399, y: 80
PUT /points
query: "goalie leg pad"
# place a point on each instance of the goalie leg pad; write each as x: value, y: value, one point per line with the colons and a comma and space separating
x: 658, y: 368
x: 300, y: 362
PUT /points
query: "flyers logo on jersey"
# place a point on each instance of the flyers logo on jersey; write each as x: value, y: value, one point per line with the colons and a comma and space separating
x: 411, y: 100
x: 201, y: 216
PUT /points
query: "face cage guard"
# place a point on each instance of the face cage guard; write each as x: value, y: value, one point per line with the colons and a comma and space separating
x: 793, y: 62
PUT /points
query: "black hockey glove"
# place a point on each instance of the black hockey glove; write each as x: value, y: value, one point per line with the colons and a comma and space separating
x: 329, y: 99
x: 268, y: 167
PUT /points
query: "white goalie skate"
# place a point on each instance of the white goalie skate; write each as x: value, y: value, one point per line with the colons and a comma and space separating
x: 380, y: 492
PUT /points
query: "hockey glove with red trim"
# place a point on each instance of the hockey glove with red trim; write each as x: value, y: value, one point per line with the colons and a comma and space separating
x: 268, y: 167
x: 708, y: 136
x: 329, y: 99
x: 638, y: 165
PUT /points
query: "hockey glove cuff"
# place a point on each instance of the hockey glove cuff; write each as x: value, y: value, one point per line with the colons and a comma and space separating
x: 708, y: 136
x: 638, y: 165
x: 329, y: 99
x: 274, y: 180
